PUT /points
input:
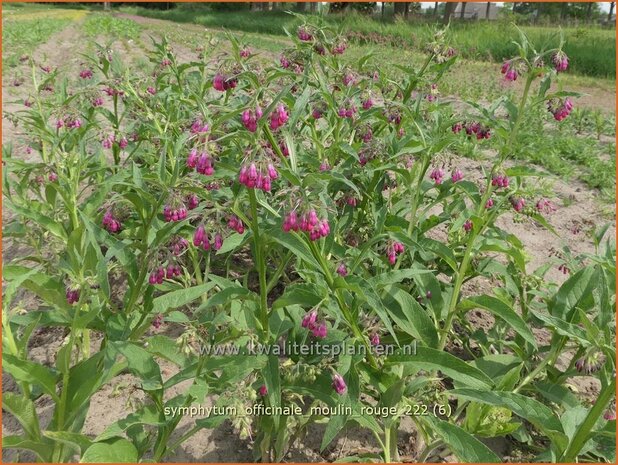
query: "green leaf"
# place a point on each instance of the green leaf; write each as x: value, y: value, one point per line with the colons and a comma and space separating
x: 503, y: 311
x: 23, y: 410
x: 180, y: 297
x: 43, y: 449
x: 165, y: 347
x: 32, y: 373
x: 46, y: 222
x: 140, y: 362
x: 116, y: 450
x: 271, y: 380
x: 411, y: 317
x: 530, y: 409
x: 428, y: 359
x: 77, y: 441
x: 148, y: 415
x: 572, y: 291
x: 294, y: 243
x: 465, y: 446
x: 304, y: 294
x: 232, y: 242
x: 366, y: 290
x: 396, y: 276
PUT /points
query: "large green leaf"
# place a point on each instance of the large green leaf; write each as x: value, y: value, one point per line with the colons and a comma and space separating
x: 411, y: 317
x: 23, y: 410
x: 503, y: 311
x: 32, y: 373
x: 293, y: 243
x: 180, y: 297
x: 530, y: 409
x: 43, y: 449
x: 428, y: 359
x: 77, y: 441
x: 117, y: 450
x: 574, y: 289
x: 465, y: 446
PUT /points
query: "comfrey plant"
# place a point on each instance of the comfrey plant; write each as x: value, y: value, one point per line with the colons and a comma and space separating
x: 296, y: 204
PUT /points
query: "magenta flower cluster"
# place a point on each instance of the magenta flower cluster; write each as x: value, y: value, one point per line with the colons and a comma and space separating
x: 250, y: 119
x: 560, y: 108
x: 174, y: 213
x: 339, y: 384
x: 500, y: 180
x: 202, y: 163
x: 393, y: 249
x: 110, y: 223
x: 236, y: 224
x: 560, y: 61
x: 223, y: 82
x: 509, y: 71
x: 258, y: 176
x: 72, y: 295
x: 278, y: 117
x: 473, y: 128
x: 308, y: 222
x: 317, y: 328
x: 201, y: 239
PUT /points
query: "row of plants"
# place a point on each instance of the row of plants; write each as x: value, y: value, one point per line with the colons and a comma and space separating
x: 298, y: 203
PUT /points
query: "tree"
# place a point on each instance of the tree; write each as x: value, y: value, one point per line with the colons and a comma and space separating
x: 611, y: 11
x: 361, y: 7
x: 301, y: 6
x: 487, y: 10
x: 435, y: 9
x: 448, y: 11
x: 401, y: 8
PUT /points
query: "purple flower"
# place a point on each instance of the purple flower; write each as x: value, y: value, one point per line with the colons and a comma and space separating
x: 278, y: 117
x: 310, y: 319
x: 339, y: 384
x: 72, y: 295
x: 560, y: 61
x: 320, y: 330
x: 342, y: 270
x: 509, y: 71
x: 437, y: 174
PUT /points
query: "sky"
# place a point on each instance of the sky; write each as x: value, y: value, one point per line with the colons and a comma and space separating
x: 604, y: 5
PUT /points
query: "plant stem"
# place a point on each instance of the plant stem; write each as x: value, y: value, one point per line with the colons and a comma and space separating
x: 463, y: 268
x: 341, y: 303
x: 392, y: 443
x: 583, y: 432
x: 387, y: 445
x: 260, y: 262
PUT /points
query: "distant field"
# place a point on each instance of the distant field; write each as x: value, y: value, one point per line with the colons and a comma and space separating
x: 24, y: 29
x: 592, y: 50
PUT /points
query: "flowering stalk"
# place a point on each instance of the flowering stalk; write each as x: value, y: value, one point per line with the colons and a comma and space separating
x: 341, y: 302
x: 260, y: 262
x: 467, y: 257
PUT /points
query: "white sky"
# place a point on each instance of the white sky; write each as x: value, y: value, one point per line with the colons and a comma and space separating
x: 604, y: 5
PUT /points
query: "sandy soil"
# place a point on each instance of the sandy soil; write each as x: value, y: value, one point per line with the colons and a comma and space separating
x: 572, y: 221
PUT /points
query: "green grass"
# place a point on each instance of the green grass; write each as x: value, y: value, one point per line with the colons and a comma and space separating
x: 592, y: 50
x: 102, y: 23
